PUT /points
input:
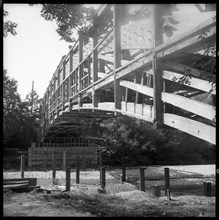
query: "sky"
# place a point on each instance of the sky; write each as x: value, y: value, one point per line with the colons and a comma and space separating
x: 34, y: 53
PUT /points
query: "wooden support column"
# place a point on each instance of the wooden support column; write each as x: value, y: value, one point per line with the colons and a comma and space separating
x: 167, y: 181
x: 102, y: 66
x: 53, y: 165
x: 22, y: 166
x: 77, y: 169
x: 64, y: 160
x: 137, y: 79
x: 89, y: 71
x: 157, y: 74
x: 44, y: 161
x: 103, y: 177
x: 126, y: 97
x: 95, y: 65
x: 142, y: 178
x: 117, y: 21
x: 68, y: 179
x: 71, y: 60
x: 80, y: 70
x: 63, y: 85
x: 69, y: 91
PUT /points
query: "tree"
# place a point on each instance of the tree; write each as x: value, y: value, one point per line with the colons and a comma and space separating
x: 70, y: 18
x: 133, y: 139
x: 11, y: 101
x: 8, y: 26
x: 20, y: 118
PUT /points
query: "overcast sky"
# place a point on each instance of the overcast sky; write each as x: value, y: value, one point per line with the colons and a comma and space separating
x: 34, y: 53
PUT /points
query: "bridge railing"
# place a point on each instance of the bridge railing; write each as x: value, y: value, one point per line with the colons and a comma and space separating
x: 92, y: 65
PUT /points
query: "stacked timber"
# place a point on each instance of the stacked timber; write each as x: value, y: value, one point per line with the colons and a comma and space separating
x: 20, y: 185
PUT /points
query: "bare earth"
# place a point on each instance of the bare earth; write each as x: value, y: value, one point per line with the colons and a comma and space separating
x: 120, y: 199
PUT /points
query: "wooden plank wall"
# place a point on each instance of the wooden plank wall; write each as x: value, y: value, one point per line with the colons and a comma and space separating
x: 36, y: 155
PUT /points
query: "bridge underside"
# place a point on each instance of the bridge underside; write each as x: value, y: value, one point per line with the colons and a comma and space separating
x: 107, y: 77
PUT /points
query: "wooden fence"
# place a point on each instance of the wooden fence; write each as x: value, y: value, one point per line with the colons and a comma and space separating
x: 38, y: 156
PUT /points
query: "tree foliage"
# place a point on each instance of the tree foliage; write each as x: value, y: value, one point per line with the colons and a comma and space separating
x: 20, y: 123
x: 70, y: 18
x: 8, y: 26
x: 141, y: 144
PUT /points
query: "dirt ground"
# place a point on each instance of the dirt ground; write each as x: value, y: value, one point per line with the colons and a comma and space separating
x: 120, y: 199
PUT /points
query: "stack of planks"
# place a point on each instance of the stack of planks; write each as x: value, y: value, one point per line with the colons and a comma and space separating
x: 20, y: 185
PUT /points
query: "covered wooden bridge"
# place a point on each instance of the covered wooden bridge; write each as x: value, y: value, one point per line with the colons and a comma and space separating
x: 132, y: 65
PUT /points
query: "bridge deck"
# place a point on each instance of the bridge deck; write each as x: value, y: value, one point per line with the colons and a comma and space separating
x: 128, y: 61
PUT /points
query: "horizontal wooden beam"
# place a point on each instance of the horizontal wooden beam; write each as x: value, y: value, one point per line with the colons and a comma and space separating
x: 199, y: 108
x: 196, y: 83
x: 136, y: 47
x: 170, y: 65
x: 111, y: 59
x: 142, y: 111
x: 135, y: 115
x: 195, y: 128
x: 190, y: 41
x: 101, y: 74
x: 162, y: 51
x: 137, y: 87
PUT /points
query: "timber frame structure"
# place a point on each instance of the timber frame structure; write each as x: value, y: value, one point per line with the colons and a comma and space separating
x: 127, y: 68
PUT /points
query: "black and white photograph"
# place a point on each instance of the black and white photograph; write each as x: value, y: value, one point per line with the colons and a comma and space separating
x: 109, y: 110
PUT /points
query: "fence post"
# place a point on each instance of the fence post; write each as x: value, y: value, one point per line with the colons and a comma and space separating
x: 83, y: 162
x: 77, y: 169
x: 207, y: 189
x: 53, y: 166
x: 44, y: 162
x: 142, y: 179
x: 167, y: 182
x: 204, y: 188
x: 22, y: 166
x: 64, y: 160
x: 68, y: 179
x: 103, y: 178
x: 100, y: 162
x: 157, y: 191
x: 123, y: 170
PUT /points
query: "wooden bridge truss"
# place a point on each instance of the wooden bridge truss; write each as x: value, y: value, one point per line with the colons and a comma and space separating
x: 128, y: 67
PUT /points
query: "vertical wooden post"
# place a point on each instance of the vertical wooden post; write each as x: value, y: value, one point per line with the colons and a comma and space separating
x: 167, y: 182
x: 63, y: 84
x: 95, y: 67
x: 157, y: 74
x: 117, y: 22
x: 207, y: 189
x: 77, y: 169
x: 53, y: 165
x: 157, y: 191
x: 142, y: 179
x: 204, y: 188
x: 71, y: 60
x: 29, y: 157
x: 83, y: 162
x: 89, y: 71
x: 64, y: 160
x: 123, y: 170
x: 103, y: 177
x: 68, y: 179
x: 126, y: 98
x: 44, y: 161
x: 137, y: 79
x: 80, y: 71
x: 22, y: 166
x: 100, y: 161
